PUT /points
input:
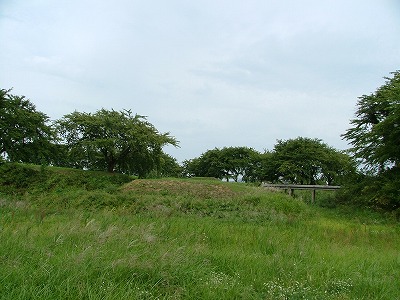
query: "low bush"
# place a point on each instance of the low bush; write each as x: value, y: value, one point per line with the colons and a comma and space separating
x: 20, y: 178
x: 379, y: 192
x: 17, y: 178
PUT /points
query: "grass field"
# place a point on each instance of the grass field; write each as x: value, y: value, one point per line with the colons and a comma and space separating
x: 77, y: 235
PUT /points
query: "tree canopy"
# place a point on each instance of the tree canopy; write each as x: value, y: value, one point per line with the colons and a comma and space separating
x: 113, y: 141
x: 300, y: 161
x: 375, y: 140
x: 25, y: 135
x: 207, y: 165
x: 309, y: 161
x: 226, y: 163
x: 375, y: 131
x: 239, y: 162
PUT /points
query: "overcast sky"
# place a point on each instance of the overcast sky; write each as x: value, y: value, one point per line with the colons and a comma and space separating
x: 213, y: 73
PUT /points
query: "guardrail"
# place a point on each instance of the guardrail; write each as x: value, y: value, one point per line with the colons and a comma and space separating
x: 292, y: 187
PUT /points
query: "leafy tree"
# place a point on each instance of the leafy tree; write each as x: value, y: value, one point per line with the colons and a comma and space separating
x: 375, y: 139
x: 25, y: 135
x: 239, y: 162
x: 337, y: 167
x: 190, y: 167
x: 209, y: 164
x: 169, y: 167
x: 263, y: 168
x: 225, y: 163
x: 113, y: 141
x: 309, y: 161
x: 375, y: 135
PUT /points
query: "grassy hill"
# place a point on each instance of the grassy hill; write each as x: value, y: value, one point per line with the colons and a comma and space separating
x: 69, y: 234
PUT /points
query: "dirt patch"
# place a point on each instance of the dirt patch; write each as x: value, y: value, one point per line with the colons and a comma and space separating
x: 13, y: 204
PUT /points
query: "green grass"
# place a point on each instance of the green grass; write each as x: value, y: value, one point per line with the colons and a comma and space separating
x: 187, y: 239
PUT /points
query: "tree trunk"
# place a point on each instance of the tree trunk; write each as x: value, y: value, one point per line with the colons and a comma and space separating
x: 111, y: 166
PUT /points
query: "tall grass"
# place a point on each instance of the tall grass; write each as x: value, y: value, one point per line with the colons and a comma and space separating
x: 177, y: 239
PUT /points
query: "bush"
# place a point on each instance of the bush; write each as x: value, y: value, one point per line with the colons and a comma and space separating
x: 17, y: 178
x: 379, y: 191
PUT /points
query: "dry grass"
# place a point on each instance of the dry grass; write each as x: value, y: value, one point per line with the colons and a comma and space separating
x: 195, y: 189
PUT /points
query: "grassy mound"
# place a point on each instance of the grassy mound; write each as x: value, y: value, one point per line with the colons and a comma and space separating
x: 55, y: 188
x: 212, y: 198
x: 199, y: 189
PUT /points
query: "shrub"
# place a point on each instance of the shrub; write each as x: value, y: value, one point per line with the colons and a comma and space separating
x: 18, y: 178
x: 379, y: 191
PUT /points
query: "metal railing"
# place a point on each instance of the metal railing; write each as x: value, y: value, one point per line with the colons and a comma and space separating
x: 291, y: 187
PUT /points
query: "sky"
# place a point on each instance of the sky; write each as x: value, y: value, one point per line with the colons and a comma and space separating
x: 213, y: 73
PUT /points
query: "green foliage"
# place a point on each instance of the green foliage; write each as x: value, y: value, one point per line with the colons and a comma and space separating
x: 375, y: 140
x: 207, y: 165
x: 113, y: 141
x: 263, y: 168
x: 25, y: 135
x: 19, y: 179
x: 375, y: 134
x: 309, y: 161
x: 239, y: 162
x: 169, y: 167
x: 379, y: 191
x: 301, y: 161
x: 226, y: 163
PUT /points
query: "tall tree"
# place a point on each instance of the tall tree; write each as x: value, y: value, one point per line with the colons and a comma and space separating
x: 375, y: 131
x: 113, y: 141
x: 309, y: 161
x: 25, y: 135
x: 375, y: 139
x: 169, y: 167
x: 209, y: 164
x: 226, y: 163
x: 265, y: 168
x: 239, y: 162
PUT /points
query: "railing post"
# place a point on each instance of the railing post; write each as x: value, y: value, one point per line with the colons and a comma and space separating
x: 312, y: 196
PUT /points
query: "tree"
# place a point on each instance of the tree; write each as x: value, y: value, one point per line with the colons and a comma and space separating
x: 113, y: 141
x: 309, y: 161
x: 226, y: 163
x: 25, y: 135
x: 209, y: 164
x: 264, y: 168
x: 375, y: 139
x: 375, y: 135
x: 169, y: 167
x: 190, y: 167
x: 239, y: 162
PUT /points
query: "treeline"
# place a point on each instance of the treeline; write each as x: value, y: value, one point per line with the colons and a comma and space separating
x: 369, y: 171
x: 298, y: 161
x: 126, y: 143
x: 113, y: 141
x: 120, y: 141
